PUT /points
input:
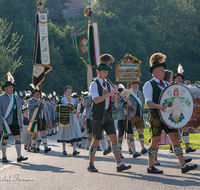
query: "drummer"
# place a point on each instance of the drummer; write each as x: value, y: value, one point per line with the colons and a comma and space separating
x: 178, y: 78
x: 152, y: 90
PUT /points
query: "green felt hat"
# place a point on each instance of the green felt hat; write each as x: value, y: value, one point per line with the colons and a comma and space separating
x: 7, y: 83
x: 157, y: 65
x: 27, y: 97
x: 102, y: 66
x: 35, y: 90
x: 25, y: 108
x: 178, y: 74
x: 75, y: 96
x: 137, y: 82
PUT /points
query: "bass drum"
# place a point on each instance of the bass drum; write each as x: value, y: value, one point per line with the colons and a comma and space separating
x: 183, y: 106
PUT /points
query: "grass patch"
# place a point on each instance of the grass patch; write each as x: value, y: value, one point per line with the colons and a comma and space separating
x: 194, y: 139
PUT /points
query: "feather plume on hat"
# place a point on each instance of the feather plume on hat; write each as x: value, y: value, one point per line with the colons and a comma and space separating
x: 16, y: 93
x: 157, y: 58
x: 54, y: 93
x: 57, y: 98
x: 121, y: 86
x: 50, y: 95
x: 43, y: 94
x: 21, y: 94
x: 10, y: 77
x: 180, y: 69
x: 106, y: 58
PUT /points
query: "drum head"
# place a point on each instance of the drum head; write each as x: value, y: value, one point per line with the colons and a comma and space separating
x: 180, y: 106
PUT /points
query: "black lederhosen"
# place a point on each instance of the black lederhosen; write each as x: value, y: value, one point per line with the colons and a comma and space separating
x: 156, y: 125
x: 102, y: 122
x: 43, y: 125
x: 122, y: 127
x: 89, y: 126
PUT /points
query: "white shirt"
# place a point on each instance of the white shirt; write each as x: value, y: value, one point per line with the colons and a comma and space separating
x: 94, y: 91
x: 148, y: 89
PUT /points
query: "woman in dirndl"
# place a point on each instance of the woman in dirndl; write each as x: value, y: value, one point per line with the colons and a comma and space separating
x: 72, y: 133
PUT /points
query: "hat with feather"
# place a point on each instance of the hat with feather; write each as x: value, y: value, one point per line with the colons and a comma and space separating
x: 121, y: 87
x: 104, y: 61
x: 157, y: 60
x: 180, y: 72
x: 34, y: 89
x: 10, y: 80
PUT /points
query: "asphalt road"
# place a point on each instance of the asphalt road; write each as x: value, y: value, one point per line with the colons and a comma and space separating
x: 55, y: 171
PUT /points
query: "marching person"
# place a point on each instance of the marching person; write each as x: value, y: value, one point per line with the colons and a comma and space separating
x: 34, y: 103
x: 10, y: 118
x: 152, y: 90
x: 26, y: 137
x: 72, y: 133
x: 136, y: 99
x: 102, y: 94
x: 178, y: 79
x: 121, y: 110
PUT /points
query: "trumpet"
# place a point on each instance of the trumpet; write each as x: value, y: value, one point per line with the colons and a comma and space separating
x: 122, y: 99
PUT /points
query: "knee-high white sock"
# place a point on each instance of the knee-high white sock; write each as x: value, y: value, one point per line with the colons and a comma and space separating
x: 103, y: 143
x: 18, y: 148
x: 64, y: 145
x: 44, y: 140
x: 132, y: 143
x: 74, y: 146
x: 3, y: 148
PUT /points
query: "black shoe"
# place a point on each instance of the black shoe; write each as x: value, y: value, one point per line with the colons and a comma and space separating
x: 47, y: 150
x: 38, y: 149
x: 35, y: 150
x: 75, y: 153
x: 123, y: 167
x: 136, y: 155
x: 171, y: 150
x: 4, y: 159
x: 64, y: 153
x: 98, y: 148
x: 107, y: 151
x: 188, y: 160
x: 188, y: 167
x: 144, y: 150
x: 153, y: 169
x: 48, y: 135
x: 22, y: 159
x: 130, y: 151
x: 29, y: 150
x: 121, y: 156
x: 156, y: 163
x: 91, y: 168
x: 190, y: 149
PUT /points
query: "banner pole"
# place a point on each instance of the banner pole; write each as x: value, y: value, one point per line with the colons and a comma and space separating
x: 41, y: 107
x: 127, y: 85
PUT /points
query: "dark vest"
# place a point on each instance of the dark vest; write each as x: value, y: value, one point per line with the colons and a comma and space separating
x: 15, y: 119
x: 82, y: 108
x: 100, y: 107
x: 156, y: 95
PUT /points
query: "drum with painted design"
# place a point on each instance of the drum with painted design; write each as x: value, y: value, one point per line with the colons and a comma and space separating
x: 183, y: 106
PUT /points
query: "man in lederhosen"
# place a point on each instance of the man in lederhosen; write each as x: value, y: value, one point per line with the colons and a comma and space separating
x: 32, y: 104
x: 136, y: 100
x: 152, y: 90
x: 178, y: 78
x: 102, y: 94
x: 10, y: 119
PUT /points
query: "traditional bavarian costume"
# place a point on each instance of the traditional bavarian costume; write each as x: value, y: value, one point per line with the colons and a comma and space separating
x: 11, y: 119
x: 102, y: 116
x: 152, y: 90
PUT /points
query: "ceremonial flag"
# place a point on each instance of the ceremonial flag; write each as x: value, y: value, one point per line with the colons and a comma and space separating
x: 41, y: 58
x: 81, y: 41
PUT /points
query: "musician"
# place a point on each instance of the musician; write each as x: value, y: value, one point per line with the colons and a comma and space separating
x: 136, y: 100
x: 32, y: 104
x: 102, y: 94
x: 152, y: 90
x: 11, y: 110
x: 121, y: 110
x: 178, y: 78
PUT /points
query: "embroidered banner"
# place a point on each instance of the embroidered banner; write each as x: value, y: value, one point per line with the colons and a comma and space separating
x: 64, y: 115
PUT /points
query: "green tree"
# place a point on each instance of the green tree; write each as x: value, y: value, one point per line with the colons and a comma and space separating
x: 9, y: 45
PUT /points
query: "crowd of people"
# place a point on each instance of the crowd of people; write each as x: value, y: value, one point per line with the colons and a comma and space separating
x: 32, y: 116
